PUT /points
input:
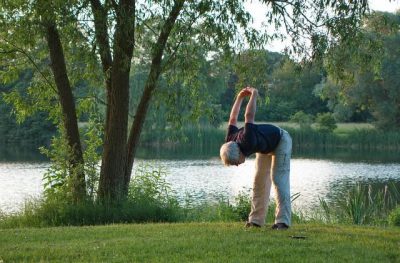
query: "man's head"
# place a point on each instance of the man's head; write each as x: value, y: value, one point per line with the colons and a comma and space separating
x: 230, y: 154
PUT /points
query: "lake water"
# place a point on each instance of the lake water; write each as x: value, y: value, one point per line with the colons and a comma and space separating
x: 313, y: 175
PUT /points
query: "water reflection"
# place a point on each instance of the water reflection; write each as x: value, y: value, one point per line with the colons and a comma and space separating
x: 19, y: 181
x: 10, y: 153
x: 342, y: 155
x: 200, y: 174
x: 189, y: 152
x: 206, y: 179
x: 349, y: 155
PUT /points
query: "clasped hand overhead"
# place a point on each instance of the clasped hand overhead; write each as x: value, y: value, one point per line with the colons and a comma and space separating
x: 248, y: 91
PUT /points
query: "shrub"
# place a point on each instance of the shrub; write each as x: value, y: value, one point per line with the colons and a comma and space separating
x: 150, y: 199
x: 394, y: 217
x: 243, y: 205
x: 325, y: 122
x: 304, y: 120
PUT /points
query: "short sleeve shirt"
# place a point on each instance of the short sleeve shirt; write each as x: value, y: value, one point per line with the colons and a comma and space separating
x: 252, y: 138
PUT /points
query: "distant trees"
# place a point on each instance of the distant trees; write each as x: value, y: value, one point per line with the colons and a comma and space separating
x: 34, y: 132
x: 367, y: 82
x: 291, y: 90
x: 325, y: 122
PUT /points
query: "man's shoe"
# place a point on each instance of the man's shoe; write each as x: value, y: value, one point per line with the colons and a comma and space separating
x: 251, y: 224
x: 280, y: 226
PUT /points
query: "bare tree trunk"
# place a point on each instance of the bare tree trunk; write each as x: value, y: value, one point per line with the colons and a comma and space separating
x: 150, y: 85
x: 59, y: 70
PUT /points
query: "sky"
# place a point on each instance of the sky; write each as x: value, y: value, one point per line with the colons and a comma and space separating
x: 257, y: 10
x: 384, y: 5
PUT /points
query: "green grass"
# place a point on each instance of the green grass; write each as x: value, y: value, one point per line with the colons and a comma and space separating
x: 200, y: 242
x: 346, y: 127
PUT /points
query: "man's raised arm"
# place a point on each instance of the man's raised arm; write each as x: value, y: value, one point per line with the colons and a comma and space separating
x: 236, y: 106
x: 251, y: 106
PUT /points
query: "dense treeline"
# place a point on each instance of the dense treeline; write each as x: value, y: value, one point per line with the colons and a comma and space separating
x: 358, y: 93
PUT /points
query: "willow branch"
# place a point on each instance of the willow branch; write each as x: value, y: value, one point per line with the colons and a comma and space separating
x: 35, y: 65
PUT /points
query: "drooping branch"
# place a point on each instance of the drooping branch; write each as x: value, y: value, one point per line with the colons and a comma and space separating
x: 150, y: 85
x: 17, y: 49
x: 180, y: 41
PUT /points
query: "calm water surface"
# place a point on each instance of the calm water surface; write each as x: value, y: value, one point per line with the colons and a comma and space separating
x: 207, y: 178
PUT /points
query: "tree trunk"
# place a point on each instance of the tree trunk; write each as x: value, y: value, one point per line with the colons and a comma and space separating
x: 114, y: 151
x: 118, y: 154
x: 150, y: 85
x: 59, y: 70
x: 100, y: 24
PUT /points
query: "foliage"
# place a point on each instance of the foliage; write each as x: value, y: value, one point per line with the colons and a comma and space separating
x: 205, y: 141
x: 169, y: 40
x: 285, y: 86
x: 150, y: 199
x: 219, y: 209
x: 362, y: 205
x: 344, y: 111
x: 360, y: 139
x: 19, y: 129
x: 149, y: 186
x: 368, y: 79
x: 92, y: 135
x: 394, y: 217
x: 325, y: 122
x: 36, y: 131
x: 290, y: 90
x: 243, y: 205
x: 56, y: 178
x: 252, y: 68
x: 170, y: 113
x: 304, y: 120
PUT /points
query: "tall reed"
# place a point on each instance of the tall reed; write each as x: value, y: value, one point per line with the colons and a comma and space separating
x: 208, y: 137
x: 359, y: 139
x: 362, y: 204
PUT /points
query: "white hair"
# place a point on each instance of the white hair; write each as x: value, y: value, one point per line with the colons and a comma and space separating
x: 229, y: 152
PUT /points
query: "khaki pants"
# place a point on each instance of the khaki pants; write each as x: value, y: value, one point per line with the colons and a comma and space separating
x: 273, y: 167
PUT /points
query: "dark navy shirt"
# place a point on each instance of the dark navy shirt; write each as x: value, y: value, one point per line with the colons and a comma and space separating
x: 252, y: 138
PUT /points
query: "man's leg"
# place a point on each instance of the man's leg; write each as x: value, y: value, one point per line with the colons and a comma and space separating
x: 281, y: 179
x: 261, y: 189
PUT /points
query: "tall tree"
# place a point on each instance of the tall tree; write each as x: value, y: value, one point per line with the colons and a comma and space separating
x: 113, y: 33
x: 368, y: 77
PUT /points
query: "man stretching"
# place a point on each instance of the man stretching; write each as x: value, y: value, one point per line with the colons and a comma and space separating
x: 273, y: 148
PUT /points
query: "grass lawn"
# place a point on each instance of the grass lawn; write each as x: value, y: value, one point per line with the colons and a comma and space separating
x: 200, y: 242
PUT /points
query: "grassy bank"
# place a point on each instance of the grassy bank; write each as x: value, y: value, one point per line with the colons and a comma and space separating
x: 200, y: 242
